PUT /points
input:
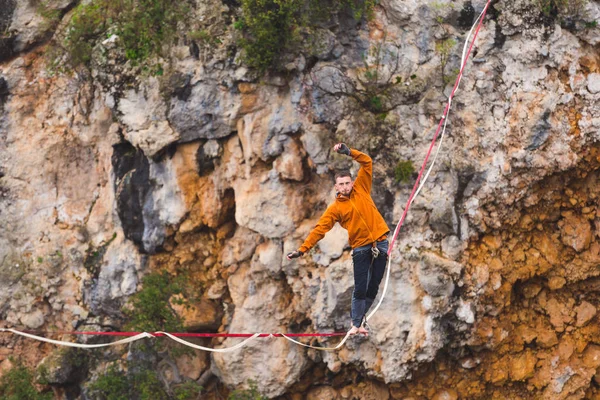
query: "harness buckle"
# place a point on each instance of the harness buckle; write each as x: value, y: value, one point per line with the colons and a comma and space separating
x: 375, y: 251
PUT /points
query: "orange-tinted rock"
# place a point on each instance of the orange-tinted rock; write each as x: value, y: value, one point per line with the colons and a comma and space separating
x: 585, y: 312
x: 525, y: 334
x: 369, y: 390
x: 556, y: 282
x: 198, y: 316
x: 591, y: 356
x: 192, y: 366
x: 492, y: 242
x: 547, y: 338
x: 497, y: 373
x: 559, y: 314
x: 522, y: 366
x: 496, y: 265
x: 565, y: 349
x: 289, y: 164
x: 547, y: 247
x: 445, y: 394
x: 322, y: 393
x: 576, y: 232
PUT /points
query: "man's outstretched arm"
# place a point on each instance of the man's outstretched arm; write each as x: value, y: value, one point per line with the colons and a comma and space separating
x: 324, y: 225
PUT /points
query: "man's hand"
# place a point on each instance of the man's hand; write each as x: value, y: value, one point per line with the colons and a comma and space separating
x: 341, y: 148
x: 294, y: 254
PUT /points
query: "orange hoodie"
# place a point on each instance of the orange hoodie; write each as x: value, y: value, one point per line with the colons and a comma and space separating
x: 357, y: 214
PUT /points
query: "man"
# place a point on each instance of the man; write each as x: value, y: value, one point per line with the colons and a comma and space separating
x: 355, y: 211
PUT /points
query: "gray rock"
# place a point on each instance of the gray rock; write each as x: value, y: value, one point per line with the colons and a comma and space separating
x: 208, y: 113
x: 331, y: 307
x: 255, y: 311
x: 440, y: 198
x: 34, y: 319
x: 316, y: 143
x: 333, y: 244
x: 321, y: 43
x: 453, y: 247
x: 436, y: 275
x: 116, y: 281
x: 594, y: 83
x: 255, y: 200
x: 163, y: 207
x: 267, y: 258
x: 28, y: 26
x: 540, y: 132
x: 240, y: 247
x: 62, y: 366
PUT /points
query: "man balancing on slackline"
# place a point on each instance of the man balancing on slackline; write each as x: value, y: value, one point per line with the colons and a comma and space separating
x: 355, y: 211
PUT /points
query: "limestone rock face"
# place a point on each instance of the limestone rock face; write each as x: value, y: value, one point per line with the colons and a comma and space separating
x: 264, y: 196
x: 63, y: 366
x: 215, y: 172
x: 257, y: 312
x: 26, y: 26
x: 208, y: 113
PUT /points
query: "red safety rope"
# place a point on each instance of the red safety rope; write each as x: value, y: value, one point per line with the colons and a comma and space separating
x: 437, y: 132
x: 202, y: 335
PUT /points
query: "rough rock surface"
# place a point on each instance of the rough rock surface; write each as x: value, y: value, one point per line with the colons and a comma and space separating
x: 217, y: 173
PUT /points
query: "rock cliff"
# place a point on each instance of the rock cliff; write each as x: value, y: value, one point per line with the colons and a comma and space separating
x: 212, y: 171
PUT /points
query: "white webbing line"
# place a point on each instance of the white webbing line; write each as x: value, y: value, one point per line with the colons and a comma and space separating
x: 463, y: 61
x: 80, y: 345
x: 462, y: 64
x: 340, y: 344
x: 142, y: 335
x: 221, y: 350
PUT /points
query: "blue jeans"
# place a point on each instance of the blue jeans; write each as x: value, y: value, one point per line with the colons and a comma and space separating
x: 367, y: 277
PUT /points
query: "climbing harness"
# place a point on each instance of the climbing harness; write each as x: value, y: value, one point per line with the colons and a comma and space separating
x: 420, y: 182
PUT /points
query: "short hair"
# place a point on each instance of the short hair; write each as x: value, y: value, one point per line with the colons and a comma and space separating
x: 341, y: 174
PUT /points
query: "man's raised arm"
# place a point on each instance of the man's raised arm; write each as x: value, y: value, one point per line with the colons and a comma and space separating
x: 364, y: 178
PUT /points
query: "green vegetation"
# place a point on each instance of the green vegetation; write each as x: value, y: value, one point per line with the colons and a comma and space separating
x: 444, y: 50
x: 51, y: 15
x: 591, y: 24
x: 439, y: 9
x: 147, y: 386
x: 113, y: 385
x: 94, y: 256
x: 143, y: 26
x: 373, y: 89
x: 403, y: 171
x: 359, y: 8
x: 139, y: 383
x: 17, y: 384
x: 567, y: 12
x: 561, y: 7
x: 150, y: 310
x: 270, y: 27
x: 187, y: 391
x: 119, y: 385
x: 203, y: 36
x: 247, y: 394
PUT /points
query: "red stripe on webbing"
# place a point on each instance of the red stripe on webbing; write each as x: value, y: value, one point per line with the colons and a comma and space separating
x: 208, y: 335
x: 437, y: 132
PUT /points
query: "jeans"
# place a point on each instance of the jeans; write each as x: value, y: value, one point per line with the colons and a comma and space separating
x: 367, y: 277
